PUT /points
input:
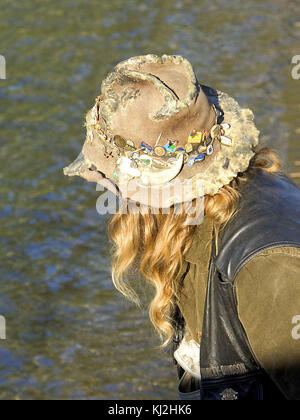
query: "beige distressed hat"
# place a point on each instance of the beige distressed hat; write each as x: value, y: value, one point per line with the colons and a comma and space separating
x: 155, y: 128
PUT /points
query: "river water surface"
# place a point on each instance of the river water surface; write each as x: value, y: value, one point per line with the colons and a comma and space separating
x: 69, y: 334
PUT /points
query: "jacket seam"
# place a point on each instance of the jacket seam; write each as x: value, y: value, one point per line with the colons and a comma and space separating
x: 259, y: 251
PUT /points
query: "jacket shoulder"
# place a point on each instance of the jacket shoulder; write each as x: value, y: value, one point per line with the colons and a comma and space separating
x: 279, y: 262
x: 268, y: 217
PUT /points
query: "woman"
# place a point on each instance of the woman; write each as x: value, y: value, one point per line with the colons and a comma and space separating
x: 226, y: 285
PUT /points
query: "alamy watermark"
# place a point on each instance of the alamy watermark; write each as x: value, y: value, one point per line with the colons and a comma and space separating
x: 296, y: 329
x: 2, y: 67
x: 145, y: 200
x: 2, y: 328
x: 296, y: 68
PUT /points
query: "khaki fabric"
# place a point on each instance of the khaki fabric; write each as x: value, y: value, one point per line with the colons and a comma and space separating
x: 193, y: 294
x: 268, y: 295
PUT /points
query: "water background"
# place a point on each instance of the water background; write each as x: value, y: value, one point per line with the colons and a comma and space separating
x: 69, y: 334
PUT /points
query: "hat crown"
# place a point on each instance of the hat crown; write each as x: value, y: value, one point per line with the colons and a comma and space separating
x: 174, y: 72
x: 149, y: 95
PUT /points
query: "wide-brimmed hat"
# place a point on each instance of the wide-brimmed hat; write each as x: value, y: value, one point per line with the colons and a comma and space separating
x: 155, y: 127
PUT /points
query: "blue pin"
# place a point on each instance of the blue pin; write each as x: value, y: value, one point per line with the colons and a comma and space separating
x: 200, y: 157
x: 191, y: 161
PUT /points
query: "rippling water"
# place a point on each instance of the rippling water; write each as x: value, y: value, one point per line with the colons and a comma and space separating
x: 69, y: 334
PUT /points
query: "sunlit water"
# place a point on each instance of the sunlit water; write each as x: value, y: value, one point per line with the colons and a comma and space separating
x: 69, y: 334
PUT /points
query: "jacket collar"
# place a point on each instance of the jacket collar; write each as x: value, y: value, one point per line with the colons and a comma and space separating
x: 200, y: 249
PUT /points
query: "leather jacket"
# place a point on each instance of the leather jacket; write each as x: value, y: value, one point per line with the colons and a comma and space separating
x: 268, y: 217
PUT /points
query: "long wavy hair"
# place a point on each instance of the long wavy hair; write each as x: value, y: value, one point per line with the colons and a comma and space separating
x: 157, y: 244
